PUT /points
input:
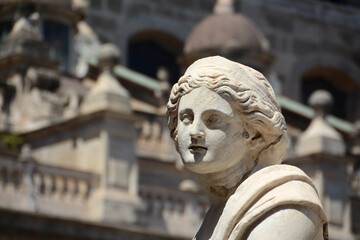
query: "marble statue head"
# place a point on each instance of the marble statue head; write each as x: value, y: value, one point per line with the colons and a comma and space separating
x: 222, y: 114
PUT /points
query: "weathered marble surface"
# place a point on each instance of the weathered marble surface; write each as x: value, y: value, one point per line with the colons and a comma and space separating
x: 228, y: 129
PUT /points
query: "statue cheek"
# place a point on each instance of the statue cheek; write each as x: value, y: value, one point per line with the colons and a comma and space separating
x: 181, y: 146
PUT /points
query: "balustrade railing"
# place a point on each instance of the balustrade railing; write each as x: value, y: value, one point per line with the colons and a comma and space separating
x: 46, y: 181
x: 170, y: 207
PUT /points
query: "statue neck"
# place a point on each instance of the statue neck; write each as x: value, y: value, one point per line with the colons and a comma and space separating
x: 221, y: 185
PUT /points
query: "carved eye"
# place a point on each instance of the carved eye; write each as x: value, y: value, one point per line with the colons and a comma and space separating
x: 215, y: 121
x: 186, y: 118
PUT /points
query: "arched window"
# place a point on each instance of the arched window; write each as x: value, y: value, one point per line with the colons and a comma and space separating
x: 5, y: 28
x: 343, y: 89
x: 57, y: 35
x: 149, y: 50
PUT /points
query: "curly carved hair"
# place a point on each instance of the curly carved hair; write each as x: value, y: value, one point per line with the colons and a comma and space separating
x: 245, y: 87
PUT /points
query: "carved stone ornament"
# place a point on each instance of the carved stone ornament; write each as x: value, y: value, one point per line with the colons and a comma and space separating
x: 227, y: 127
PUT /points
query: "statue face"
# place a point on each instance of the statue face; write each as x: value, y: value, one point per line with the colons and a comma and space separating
x: 210, y: 132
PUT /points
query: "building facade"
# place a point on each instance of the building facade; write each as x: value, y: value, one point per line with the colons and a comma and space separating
x: 85, y: 150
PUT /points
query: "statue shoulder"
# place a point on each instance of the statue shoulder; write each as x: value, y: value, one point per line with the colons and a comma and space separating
x: 281, y: 196
x: 293, y: 207
x: 295, y: 222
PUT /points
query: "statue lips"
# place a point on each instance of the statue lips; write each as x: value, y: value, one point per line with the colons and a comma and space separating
x: 196, y: 148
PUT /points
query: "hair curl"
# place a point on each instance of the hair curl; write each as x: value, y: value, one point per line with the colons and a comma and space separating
x: 248, y: 89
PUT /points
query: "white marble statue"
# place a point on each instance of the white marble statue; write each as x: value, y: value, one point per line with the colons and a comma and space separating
x: 228, y: 129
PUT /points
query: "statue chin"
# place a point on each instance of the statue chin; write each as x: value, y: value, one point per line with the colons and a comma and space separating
x: 199, y: 167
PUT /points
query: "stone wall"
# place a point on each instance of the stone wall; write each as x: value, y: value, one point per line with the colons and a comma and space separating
x: 303, y: 34
x: 308, y: 34
x: 117, y: 21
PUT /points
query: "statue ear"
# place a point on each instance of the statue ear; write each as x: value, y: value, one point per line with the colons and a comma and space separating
x: 255, y: 139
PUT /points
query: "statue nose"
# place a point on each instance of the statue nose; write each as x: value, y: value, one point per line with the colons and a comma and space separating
x: 197, y: 131
x: 198, y: 135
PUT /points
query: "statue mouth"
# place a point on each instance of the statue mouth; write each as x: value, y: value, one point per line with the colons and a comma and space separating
x: 197, y: 149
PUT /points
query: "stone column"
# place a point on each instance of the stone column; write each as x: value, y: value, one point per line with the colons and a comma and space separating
x: 110, y: 103
x: 321, y: 154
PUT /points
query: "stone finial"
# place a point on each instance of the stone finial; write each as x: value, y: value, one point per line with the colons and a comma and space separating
x: 163, y: 75
x: 87, y: 45
x: 162, y: 92
x: 26, y: 29
x: 34, y: 18
x: 355, y: 150
x: 26, y: 40
x: 81, y: 6
x: 107, y: 93
x: 109, y: 55
x: 322, y: 101
x: 85, y: 29
x: 320, y: 137
x: 224, y: 6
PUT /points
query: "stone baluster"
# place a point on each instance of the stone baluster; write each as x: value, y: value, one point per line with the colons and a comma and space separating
x: 4, y: 177
x: 48, y: 184
x: 82, y: 188
x: 53, y: 185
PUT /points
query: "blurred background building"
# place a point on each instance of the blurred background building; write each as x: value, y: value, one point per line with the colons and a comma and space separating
x: 85, y: 152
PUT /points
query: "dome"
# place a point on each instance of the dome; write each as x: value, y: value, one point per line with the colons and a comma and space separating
x: 221, y: 30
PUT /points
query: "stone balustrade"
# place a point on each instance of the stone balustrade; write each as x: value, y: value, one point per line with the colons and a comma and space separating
x: 50, y: 181
x: 155, y: 135
x: 33, y: 183
x: 173, y: 211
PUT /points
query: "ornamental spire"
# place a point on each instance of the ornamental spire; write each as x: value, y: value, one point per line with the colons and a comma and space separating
x: 224, y: 6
